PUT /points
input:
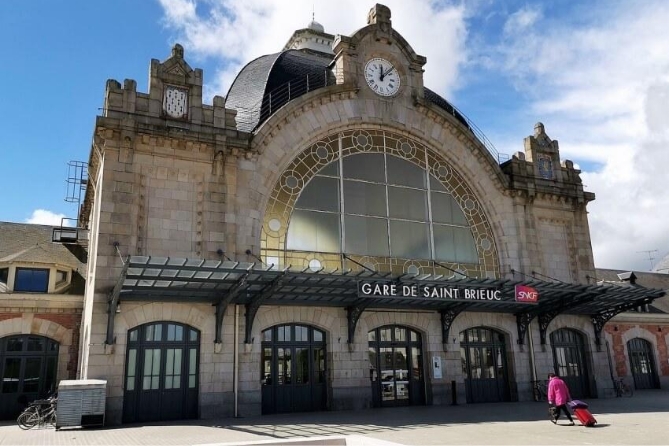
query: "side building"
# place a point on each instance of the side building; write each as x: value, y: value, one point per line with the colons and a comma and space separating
x: 330, y: 235
x: 41, y: 299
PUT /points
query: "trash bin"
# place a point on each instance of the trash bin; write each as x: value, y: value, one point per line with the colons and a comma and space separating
x: 81, y: 402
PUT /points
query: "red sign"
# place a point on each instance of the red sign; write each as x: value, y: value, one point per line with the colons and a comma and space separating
x: 526, y: 294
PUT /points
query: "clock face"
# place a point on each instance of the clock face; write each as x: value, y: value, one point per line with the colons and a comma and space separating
x: 175, y: 102
x: 382, y: 77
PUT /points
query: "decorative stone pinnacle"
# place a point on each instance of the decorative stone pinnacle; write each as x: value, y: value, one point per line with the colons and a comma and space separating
x: 379, y: 15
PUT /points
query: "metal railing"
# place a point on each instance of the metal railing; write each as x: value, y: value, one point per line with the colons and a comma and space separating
x: 249, y: 118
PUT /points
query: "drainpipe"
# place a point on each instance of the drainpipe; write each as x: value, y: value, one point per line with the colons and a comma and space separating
x: 235, y: 367
x: 531, y: 342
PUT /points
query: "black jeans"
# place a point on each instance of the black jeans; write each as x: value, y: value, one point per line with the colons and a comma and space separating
x: 562, y: 408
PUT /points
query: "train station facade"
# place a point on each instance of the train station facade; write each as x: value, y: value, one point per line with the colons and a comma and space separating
x: 331, y: 235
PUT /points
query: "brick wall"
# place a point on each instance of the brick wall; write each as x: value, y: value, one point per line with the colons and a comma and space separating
x: 618, y: 331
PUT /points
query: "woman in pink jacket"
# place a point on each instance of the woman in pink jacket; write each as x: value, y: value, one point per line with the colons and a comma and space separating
x: 558, y: 395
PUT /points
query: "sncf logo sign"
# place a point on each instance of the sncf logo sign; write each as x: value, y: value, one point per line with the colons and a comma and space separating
x: 526, y: 294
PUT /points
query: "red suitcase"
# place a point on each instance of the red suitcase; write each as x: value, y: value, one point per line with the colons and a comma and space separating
x: 585, y: 417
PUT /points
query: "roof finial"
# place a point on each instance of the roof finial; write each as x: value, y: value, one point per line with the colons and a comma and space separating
x: 313, y: 12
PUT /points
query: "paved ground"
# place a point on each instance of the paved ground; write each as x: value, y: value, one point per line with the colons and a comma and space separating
x: 641, y: 419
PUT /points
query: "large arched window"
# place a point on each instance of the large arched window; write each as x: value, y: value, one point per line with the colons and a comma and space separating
x: 380, y: 199
x: 380, y: 205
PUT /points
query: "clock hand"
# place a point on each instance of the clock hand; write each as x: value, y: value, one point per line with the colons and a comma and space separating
x: 388, y: 72
x: 382, y: 74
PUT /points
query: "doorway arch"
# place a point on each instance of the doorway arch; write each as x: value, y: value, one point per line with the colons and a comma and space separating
x: 484, y: 365
x: 642, y: 364
x: 161, y: 372
x: 28, y: 368
x: 294, y: 369
x: 396, y: 366
x: 569, y: 362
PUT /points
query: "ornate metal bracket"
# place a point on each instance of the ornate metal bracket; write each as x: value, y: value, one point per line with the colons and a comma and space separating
x: 544, y: 320
x: 598, y: 322
x: 447, y: 318
x: 523, y: 322
x: 353, y: 314
x: 113, y: 301
x: 222, y: 305
x: 253, y: 306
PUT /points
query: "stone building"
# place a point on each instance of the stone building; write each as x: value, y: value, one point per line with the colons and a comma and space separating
x: 41, y: 300
x: 331, y: 234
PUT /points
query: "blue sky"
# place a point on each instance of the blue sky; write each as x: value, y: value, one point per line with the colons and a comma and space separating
x: 596, y: 73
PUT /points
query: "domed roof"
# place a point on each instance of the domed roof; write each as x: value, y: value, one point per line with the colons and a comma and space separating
x: 314, y: 25
x: 269, y: 82
x: 662, y: 266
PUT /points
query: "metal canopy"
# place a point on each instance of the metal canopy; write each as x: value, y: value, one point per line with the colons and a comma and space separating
x: 225, y: 282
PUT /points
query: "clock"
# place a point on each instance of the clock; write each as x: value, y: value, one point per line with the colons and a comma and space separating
x: 382, y: 77
x: 175, y: 102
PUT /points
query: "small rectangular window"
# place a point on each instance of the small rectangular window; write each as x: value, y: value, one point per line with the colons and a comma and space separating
x: 61, y: 277
x: 4, y: 274
x: 32, y: 280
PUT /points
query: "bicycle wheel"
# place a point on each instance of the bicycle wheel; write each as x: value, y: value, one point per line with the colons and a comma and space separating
x: 27, y: 419
x: 627, y: 390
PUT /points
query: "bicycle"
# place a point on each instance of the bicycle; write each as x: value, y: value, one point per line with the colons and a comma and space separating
x: 38, y: 413
x: 540, y: 390
x: 622, y: 388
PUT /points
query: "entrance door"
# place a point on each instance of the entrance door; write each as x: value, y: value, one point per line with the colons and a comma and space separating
x: 293, y: 369
x: 483, y: 354
x: 396, y: 367
x: 28, y: 367
x: 569, y: 361
x: 161, y: 378
x: 642, y: 364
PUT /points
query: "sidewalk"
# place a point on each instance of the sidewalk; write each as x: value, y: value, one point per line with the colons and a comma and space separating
x: 638, y: 420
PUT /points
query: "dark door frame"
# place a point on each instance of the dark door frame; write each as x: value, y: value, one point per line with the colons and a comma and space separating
x: 639, y: 349
x: 285, y: 387
x: 412, y: 342
x: 26, y: 348
x: 572, y: 343
x: 488, y: 389
x: 162, y: 402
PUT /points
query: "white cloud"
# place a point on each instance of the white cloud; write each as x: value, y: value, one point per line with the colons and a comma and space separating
x: 236, y: 32
x: 45, y: 217
x: 601, y: 87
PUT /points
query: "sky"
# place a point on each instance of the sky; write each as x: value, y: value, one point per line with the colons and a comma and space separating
x: 596, y: 73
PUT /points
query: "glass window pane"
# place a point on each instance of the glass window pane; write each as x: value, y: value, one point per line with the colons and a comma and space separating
x: 301, y: 365
x: 385, y: 334
x: 416, y: 362
x: 331, y: 169
x: 371, y: 336
x: 301, y: 333
x: 404, y: 172
x: 400, y: 334
x: 170, y: 332
x: 15, y: 344
x: 319, y: 365
x: 31, y: 280
x: 435, y: 184
x: 320, y: 194
x: 11, y: 375
x: 444, y: 248
x: 31, y: 375
x: 366, y: 235
x: 314, y: 231
x: 4, y: 275
x: 409, y: 240
x: 267, y: 335
x: 364, y: 198
x: 410, y: 204
x: 132, y: 365
x: 465, y: 250
x: 133, y: 335
x: 318, y: 336
x: 364, y: 166
x: 267, y: 367
x: 446, y: 210
x: 50, y: 378
x: 193, y: 335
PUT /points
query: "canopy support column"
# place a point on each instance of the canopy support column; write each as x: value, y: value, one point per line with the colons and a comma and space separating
x: 253, y: 306
x: 113, y: 301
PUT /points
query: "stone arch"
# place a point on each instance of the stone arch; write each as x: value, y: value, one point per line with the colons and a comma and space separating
x: 581, y: 325
x: 290, y: 183
x: 646, y: 335
x: 371, y: 320
x: 160, y: 311
x: 322, y: 318
x: 28, y: 324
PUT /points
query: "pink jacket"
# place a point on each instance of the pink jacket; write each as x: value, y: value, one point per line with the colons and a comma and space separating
x: 558, y: 392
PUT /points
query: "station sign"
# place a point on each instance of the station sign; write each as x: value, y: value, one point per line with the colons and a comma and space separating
x: 431, y: 291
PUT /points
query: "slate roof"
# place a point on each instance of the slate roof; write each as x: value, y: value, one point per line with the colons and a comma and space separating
x: 645, y: 279
x: 24, y: 242
x: 269, y: 82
